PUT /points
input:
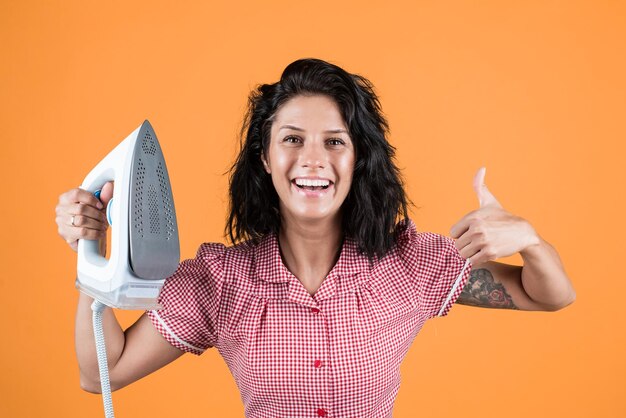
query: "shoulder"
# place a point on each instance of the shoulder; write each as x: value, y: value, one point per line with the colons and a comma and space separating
x: 219, y: 251
x: 237, y: 259
x: 426, y: 254
x: 414, y: 245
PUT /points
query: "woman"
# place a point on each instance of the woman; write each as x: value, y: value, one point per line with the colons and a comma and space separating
x: 316, y: 305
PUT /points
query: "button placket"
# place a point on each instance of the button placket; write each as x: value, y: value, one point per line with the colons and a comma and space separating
x: 318, y: 363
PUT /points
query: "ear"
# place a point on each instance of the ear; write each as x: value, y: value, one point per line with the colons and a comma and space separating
x: 265, y: 164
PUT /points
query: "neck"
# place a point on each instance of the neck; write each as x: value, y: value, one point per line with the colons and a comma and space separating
x: 310, y: 249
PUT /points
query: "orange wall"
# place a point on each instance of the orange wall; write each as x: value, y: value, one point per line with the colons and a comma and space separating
x: 535, y: 91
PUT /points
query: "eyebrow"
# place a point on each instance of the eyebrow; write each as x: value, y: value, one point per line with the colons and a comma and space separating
x: 330, y: 131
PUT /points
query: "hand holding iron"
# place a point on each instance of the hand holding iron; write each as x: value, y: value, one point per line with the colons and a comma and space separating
x: 80, y: 215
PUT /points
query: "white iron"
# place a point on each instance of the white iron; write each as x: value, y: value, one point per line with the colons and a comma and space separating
x: 144, y: 234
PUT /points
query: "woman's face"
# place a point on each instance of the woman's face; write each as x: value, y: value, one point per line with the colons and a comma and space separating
x: 310, y: 158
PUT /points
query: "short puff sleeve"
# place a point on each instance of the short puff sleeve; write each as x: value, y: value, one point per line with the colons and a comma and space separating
x: 190, y: 301
x: 435, y: 266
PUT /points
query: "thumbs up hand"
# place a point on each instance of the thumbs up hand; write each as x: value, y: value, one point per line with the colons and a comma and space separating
x: 490, y: 232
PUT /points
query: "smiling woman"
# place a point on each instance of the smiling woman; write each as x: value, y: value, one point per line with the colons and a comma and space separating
x: 327, y: 279
x: 318, y: 121
x: 311, y: 170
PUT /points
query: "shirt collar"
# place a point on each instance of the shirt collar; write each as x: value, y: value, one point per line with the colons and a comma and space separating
x: 270, y: 267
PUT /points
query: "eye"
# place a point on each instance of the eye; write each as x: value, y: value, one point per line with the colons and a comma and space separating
x: 291, y: 139
x: 336, y: 141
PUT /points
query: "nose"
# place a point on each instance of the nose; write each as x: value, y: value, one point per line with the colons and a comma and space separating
x: 313, y: 155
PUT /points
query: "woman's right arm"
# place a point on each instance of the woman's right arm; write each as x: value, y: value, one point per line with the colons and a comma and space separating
x: 131, y: 354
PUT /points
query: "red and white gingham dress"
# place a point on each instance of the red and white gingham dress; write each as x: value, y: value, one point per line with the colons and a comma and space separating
x: 334, y: 354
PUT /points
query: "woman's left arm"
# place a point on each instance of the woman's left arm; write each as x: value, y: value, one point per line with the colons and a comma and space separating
x: 544, y: 278
x: 491, y: 232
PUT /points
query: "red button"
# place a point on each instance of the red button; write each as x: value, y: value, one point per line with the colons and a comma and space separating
x: 321, y: 412
x: 315, y: 310
x: 317, y: 364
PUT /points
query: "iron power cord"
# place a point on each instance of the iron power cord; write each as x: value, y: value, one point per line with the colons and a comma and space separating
x: 98, y: 308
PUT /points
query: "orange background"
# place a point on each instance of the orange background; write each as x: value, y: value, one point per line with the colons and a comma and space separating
x: 535, y: 91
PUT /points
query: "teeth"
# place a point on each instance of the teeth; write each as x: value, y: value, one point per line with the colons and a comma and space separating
x: 314, y: 183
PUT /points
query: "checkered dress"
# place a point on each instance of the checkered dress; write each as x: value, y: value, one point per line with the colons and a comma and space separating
x: 334, y: 354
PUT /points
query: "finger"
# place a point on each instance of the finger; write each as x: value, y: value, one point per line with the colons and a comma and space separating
x: 80, y: 196
x: 464, y: 240
x: 83, y: 211
x: 477, y: 259
x: 479, y: 253
x: 466, y: 247
x: 485, y: 197
x: 458, y: 229
x: 479, y: 180
x: 71, y: 234
x: 472, y: 252
x: 107, y: 192
x: 80, y: 221
x: 461, y: 226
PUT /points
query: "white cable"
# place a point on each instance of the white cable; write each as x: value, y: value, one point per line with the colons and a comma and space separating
x: 98, y: 308
x: 456, y: 284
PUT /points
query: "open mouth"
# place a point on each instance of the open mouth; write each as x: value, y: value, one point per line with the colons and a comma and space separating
x: 312, y: 188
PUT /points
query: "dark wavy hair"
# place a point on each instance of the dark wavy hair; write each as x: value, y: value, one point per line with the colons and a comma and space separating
x: 376, y: 198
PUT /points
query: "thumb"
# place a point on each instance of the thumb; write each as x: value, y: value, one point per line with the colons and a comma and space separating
x: 485, y: 197
x: 107, y: 193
